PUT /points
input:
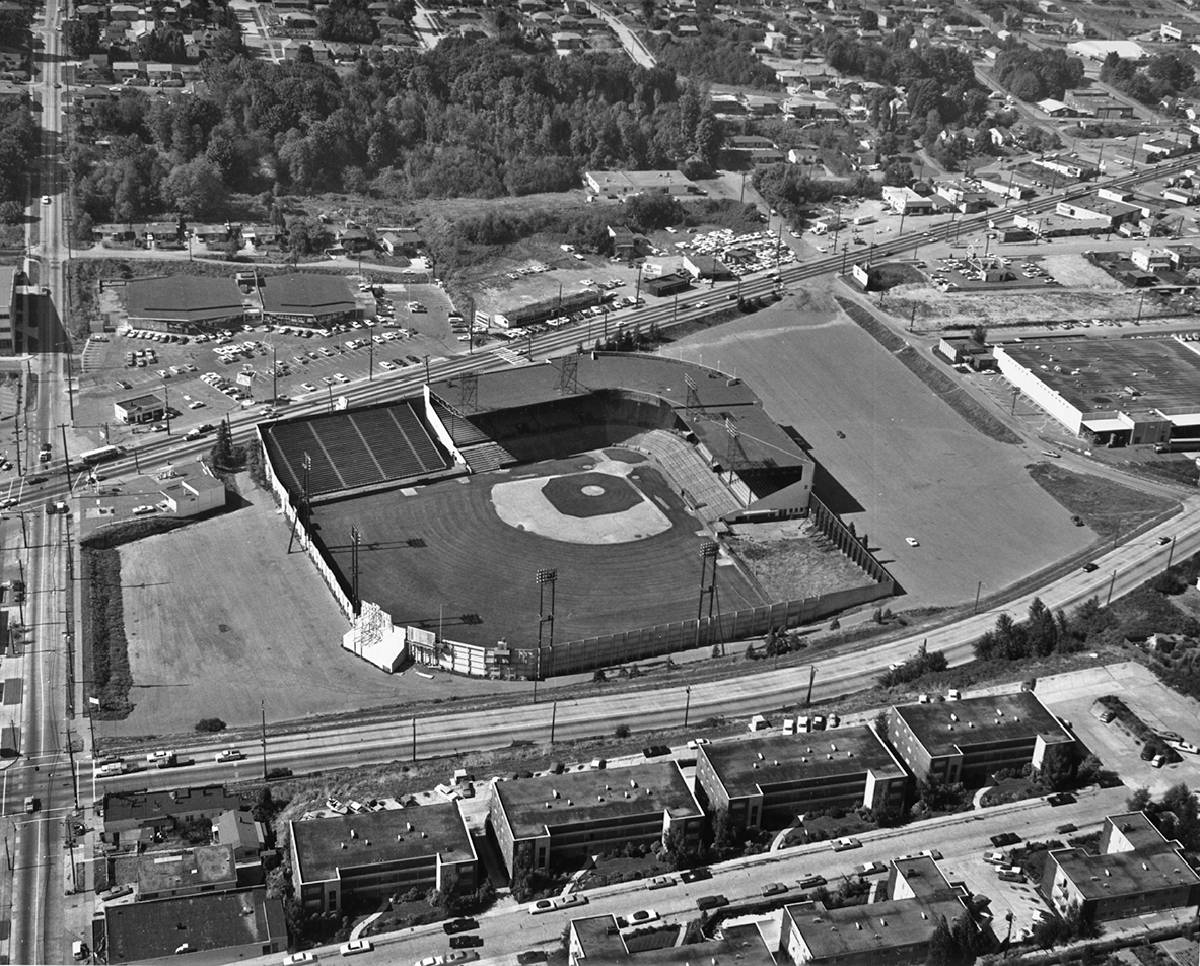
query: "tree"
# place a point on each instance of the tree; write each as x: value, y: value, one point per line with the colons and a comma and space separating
x: 81, y: 35
x: 195, y: 189
x: 881, y: 724
x: 264, y: 807
x: 942, y: 949
x: 1139, y: 801
x: 979, y: 335
x: 210, y: 725
x: 222, y: 452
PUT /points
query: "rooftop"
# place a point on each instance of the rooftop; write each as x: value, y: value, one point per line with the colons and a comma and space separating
x: 744, y: 767
x: 1095, y: 375
x: 1126, y: 873
x: 239, y: 830
x: 146, y: 807
x: 857, y: 930
x: 601, y: 942
x: 980, y: 721
x: 326, y: 845
x: 150, y: 400
x: 306, y: 294
x: 922, y: 875
x: 1138, y: 829
x: 639, y: 180
x: 207, y: 865
x: 533, y: 804
x: 211, y: 921
x: 182, y: 298
x: 8, y: 277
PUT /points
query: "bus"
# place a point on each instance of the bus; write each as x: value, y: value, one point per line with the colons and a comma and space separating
x: 100, y: 455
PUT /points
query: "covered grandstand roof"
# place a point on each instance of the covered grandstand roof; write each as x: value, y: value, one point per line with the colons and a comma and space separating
x: 183, y: 298
x: 306, y: 294
x: 355, y: 448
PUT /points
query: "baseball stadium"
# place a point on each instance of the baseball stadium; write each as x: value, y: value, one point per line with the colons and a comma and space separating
x: 550, y: 518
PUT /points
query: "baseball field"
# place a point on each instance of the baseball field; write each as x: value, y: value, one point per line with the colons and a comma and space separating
x: 464, y: 553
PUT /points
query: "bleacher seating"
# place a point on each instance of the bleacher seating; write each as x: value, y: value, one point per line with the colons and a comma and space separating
x: 355, y: 448
x: 461, y: 430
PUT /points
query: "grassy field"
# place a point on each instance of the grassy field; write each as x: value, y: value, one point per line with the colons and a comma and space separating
x: 908, y: 465
x: 1108, y: 508
x: 794, y: 561
x: 474, y: 574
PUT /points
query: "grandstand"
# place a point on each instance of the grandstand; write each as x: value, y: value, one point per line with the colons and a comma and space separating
x: 354, y: 449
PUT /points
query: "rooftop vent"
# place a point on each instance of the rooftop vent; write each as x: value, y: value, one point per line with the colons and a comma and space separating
x: 832, y: 747
x: 409, y: 824
x: 858, y: 926
x: 633, y: 783
x: 353, y: 834
x: 569, y: 802
x: 554, y: 791
x: 599, y: 798
x: 1145, y: 868
x: 548, y: 805
x: 424, y: 835
x: 953, y: 716
x: 761, y: 756
x: 343, y: 844
x: 970, y: 724
x: 366, y: 841
x: 883, y: 922
x: 999, y: 713
x: 399, y: 837
x: 754, y: 765
x: 1108, y: 873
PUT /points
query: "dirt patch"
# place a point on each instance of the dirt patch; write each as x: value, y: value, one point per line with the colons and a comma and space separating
x: 1108, y: 508
x: 1075, y: 271
x: 937, y: 310
x: 791, y: 562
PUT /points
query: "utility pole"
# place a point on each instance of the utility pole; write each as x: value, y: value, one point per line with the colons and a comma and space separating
x: 264, y: 737
x: 414, y: 739
x: 687, y: 708
x: 978, y: 591
x: 553, y: 718
x: 1111, y: 587
x: 66, y: 457
x: 70, y: 382
x: 274, y: 374
x: 812, y: 674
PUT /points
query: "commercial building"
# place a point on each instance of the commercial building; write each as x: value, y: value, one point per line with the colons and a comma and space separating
x: 126, y: 811
x: 1125, y: 392
x: 563, y: 819
x: 212, y: 928
x: 626, y: 184
x: 162, y: 875
x: 967, y: 741
x: 147, y: 408
x: 1140, y: 871
x: 1095, y: 102
x: 191, y: 495
x: 766, y: 782
x: 238, y: 830
x: 183, y: 303
x: 1151, y: 259
x: 8, y: 309
x: 907, y: 201
x: 669, y: 284
x: 307, y: 300
x: 359, y: 859
x: 896, y: 931
x: 600, y: 941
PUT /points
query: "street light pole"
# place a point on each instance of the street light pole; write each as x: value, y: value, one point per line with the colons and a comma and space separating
x: 687, y: 708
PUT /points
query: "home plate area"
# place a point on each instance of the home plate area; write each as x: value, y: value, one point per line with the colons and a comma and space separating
x: 604, y: 503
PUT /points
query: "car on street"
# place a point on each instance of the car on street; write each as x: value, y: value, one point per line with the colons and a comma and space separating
x: 655, y: 751
x: 297, y: 958
x: 912, y: 541
x: 430, y: 961
x: 688, y: 876
x: 1090, y: 568
x: 711, y: 902
x: 774, y: 889
x: 229, y: 754
x: 871, y: 868
x: 532, y: 956
x: 356, y: 946
x: 308, y: 387
x: 114, y: 893
x: 452, y: 926
x: 995, y: 858
x: 701, y: 304
x: 660, y: 882
x: 462, y: 956
x: 196, y: 405
x: 642, y: 915
x: 1005, y: 839
x: 465, y: 942
x: 1059, y: 799
x: 1066, y: 829
x: 812, y: 882
x: 844, y: 844
x: 1011, y: 877
x: 1163, y: 541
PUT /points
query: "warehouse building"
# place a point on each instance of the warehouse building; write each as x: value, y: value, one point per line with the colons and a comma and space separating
x: 767, y: 782
x: 626, y: 184
x: 216, y: 927
x: 600, y: 941
x: 967, y: 741
x: 310, y: 301
x: 162, y: 875
x: 128, y: 811
x: 183, y: 303
x: 1140, y: 871
x: 359, y: 859
x: 1124, y: 392
x: 8, y: 309
x: 563, y: 819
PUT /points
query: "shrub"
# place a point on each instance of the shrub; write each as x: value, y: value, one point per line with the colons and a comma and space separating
x: 210, y: 725
x: 622, y: 731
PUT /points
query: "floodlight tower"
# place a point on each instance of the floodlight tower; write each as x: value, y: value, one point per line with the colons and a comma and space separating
x: 708, y: 588
x: 543, y: 577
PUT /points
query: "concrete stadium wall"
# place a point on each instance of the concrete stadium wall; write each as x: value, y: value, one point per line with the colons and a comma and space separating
x: 439, y: 429
x: 829, y: 524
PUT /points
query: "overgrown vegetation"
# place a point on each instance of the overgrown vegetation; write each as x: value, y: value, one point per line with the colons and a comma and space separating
x: 721, y: 54
x: 922, y: 663
x: 1032, y: 74
x: 1174, y: 813
x: 111, y: 678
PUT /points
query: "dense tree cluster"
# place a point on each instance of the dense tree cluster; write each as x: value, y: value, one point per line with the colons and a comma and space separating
x: 349, y: 21
x: 922, y: 663
x: 717, y: 56
x: 1175, y: 814
x: 1032, y: 74
x: 16, y: 153
x: 1164, y: 75
x: 468, y: 119
x: 1041, y: 634
x: 14, y: 23
x: 788, y: 189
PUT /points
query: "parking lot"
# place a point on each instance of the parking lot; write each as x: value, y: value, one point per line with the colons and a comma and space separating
x: 1072, y: 696
x: 198, y: 374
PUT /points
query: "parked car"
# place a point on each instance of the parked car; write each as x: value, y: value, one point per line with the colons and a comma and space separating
x: 660, y: 882
x: 1005, y: 839
x: 452, y: 926
x: 229, y: 754
x: 465, y: 942
x: 356, y: 946
x: 844, y: 844
x: 774, y: 889
x: 711, y: 902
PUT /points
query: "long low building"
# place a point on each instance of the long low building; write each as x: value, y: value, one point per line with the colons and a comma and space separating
x: 767, y: 782
x: 309, y: 300
x: 560, y: 820
x: 183, y: 303
x: 1126, y: 391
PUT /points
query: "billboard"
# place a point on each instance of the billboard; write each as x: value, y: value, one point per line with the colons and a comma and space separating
x: 245, y: 378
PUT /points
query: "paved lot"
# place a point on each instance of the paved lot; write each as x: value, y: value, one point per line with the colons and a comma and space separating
x: 909, y: 465
x: 1072, y: 696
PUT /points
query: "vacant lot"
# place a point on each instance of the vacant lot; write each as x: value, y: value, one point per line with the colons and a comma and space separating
x: 909, y: 465
x: 219, y: 616
x: 1108, y: 508
x: 794, y: 560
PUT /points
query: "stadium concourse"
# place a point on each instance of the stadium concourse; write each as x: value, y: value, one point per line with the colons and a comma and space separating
x: 612, y: 471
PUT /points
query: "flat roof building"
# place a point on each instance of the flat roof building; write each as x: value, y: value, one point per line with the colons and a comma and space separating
x: 599, y: 941
x: 140, y: 409
x: 896, y: 931
x: 1140, y: 872
x: 307, y: 300
x: 8, y: 307
x: 967, y: 741
x: 218, y: 927
x: 562, y: 819
x: 625, y: 184
x: 181, y: 303
x: 208, y: 868
x: 125, y: 811
x: 348, y: 859
x: 767, y: 782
